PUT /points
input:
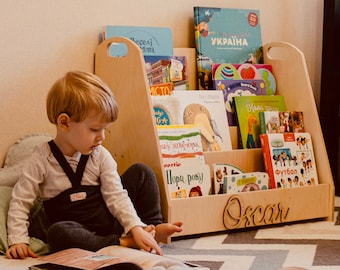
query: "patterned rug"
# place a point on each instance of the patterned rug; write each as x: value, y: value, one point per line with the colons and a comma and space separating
x: 313, y: 245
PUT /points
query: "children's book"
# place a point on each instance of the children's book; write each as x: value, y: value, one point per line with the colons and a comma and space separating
x: 220, y: 170
x: 289, y: 159
x: 75, y: 258
x: 232, y: 88
x: 166, y: 69
x: 247, y: 110
x: 188, y: 181
x: 151, y: 40
x: 180, y: 142
x: 203, y: 108
x: 245, y: 182
x: 224, y: 35
x: 226, y: 71
x: 280, y: 122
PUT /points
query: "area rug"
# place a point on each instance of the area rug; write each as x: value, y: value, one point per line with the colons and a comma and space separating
x: 313, y: 245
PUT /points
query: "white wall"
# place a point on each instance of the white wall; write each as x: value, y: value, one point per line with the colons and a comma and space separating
x: 42, y: 39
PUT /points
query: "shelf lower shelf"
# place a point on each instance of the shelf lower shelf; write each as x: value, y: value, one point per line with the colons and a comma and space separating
x: 250, y: 209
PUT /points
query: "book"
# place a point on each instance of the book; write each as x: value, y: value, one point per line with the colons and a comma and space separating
x: 232, y: 71
x: 225, y: 35
x: 151, y: 40
x: 203, y: 108
x: 289, y: 159
x: 220, y: 170
x: 232, y: 88
x: 161, y: 89
x: 75, y: 258
x: 166, y: 69
x: 188, y: 181
x: 247, y: 110
x: 281, y: 121
x: 245, y: 182
x: 180, y: 142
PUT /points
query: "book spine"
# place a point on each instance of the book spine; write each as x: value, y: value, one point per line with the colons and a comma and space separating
x: 267, y: 160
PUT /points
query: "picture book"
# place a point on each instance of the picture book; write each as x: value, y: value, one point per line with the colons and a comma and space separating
x: 225, y: 35
x: 166, y: 69
x: 227, y: 71
x: 151, y: 40
x: 289, y: 159
x: 75, y: 258
x: 220, y: 170
x: 188, y: 181
x: 203, y: 108
x: 247, y: 110
x: 281, y: 121
x: 161, y: 89
x: 180, y: 142
x: 232, y: 88
x: 245, y: 182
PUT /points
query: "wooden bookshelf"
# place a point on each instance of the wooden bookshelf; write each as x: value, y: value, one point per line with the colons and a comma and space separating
x: 133, y: 138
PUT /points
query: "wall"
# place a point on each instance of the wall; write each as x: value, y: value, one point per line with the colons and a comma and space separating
x: 42, y: 39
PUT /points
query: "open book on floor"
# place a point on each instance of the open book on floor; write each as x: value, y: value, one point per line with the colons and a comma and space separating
x: 111, y: 257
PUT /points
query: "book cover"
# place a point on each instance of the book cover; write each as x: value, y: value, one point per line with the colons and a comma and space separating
x: 76, y: 258
x: 151, y: 40
x: 289, y: 159
x: 166, y: 69
x: 220, y: 170
x: 224, y: 35
x: 180, y: 142
x: 279, y: 122
x: 188, y: 181
x: 245, y: 182
x: 227, y: 71
x: 203, y: 108
x: 247, y: 110
x: 232, y: 88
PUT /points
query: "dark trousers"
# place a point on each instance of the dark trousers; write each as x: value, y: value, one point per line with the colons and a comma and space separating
x: 141, y: 184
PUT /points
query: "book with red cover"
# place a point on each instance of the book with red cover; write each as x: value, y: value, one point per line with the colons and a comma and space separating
x: 289, y: 159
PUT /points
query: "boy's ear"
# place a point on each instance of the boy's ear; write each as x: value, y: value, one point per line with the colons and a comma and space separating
x: 63, y: 121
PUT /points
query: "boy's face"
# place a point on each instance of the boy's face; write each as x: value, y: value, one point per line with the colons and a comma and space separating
x: 86, y: 135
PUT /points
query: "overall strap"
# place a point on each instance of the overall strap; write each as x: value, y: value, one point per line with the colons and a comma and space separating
x: 74, y: 177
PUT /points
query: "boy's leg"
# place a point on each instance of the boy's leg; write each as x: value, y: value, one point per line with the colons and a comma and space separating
x: 141, y: 184
x: 70, y: 234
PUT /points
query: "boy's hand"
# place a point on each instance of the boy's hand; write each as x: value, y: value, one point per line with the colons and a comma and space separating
x: 20, y: 251
x: 145, y: 240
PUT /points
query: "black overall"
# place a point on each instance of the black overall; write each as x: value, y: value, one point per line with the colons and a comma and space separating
x: 80, y: 203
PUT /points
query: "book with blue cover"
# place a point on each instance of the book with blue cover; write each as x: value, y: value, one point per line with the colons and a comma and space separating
x: 151, y: 40
x: 224, y: 35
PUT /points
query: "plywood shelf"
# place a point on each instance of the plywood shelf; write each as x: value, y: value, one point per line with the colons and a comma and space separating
x: 133, y: 138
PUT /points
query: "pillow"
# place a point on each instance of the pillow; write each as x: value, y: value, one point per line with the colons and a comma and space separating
x: 23, y: 148
x: 17, y: 156
x: 36, y: 245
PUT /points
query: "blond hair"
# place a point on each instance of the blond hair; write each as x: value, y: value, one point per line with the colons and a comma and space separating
x: 76, y: 94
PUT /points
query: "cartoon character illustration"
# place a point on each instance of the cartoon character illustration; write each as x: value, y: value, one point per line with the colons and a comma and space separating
x: 250, y: 138
x: 199, y: 115
x: 195, y: 192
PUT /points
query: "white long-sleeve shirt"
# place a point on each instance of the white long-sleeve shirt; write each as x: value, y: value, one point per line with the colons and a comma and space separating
x: 44, y: 176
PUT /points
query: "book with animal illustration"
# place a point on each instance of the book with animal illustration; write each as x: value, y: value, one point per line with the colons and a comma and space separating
x: 225, y: 35
x: 245, y: 182
x: 151, y: 40
x: 203, y: 108
x: 220, y: 170
x: 289, y: 159
x: 247, y: 110
x: 281, y: 121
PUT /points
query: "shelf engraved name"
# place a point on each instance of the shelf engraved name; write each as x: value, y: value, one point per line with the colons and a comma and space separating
x: 237, y: 215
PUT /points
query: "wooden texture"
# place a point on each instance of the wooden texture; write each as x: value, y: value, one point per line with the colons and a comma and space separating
x: 133, y: 139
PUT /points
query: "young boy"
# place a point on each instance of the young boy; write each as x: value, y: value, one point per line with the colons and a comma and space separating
x: 88, y: 204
